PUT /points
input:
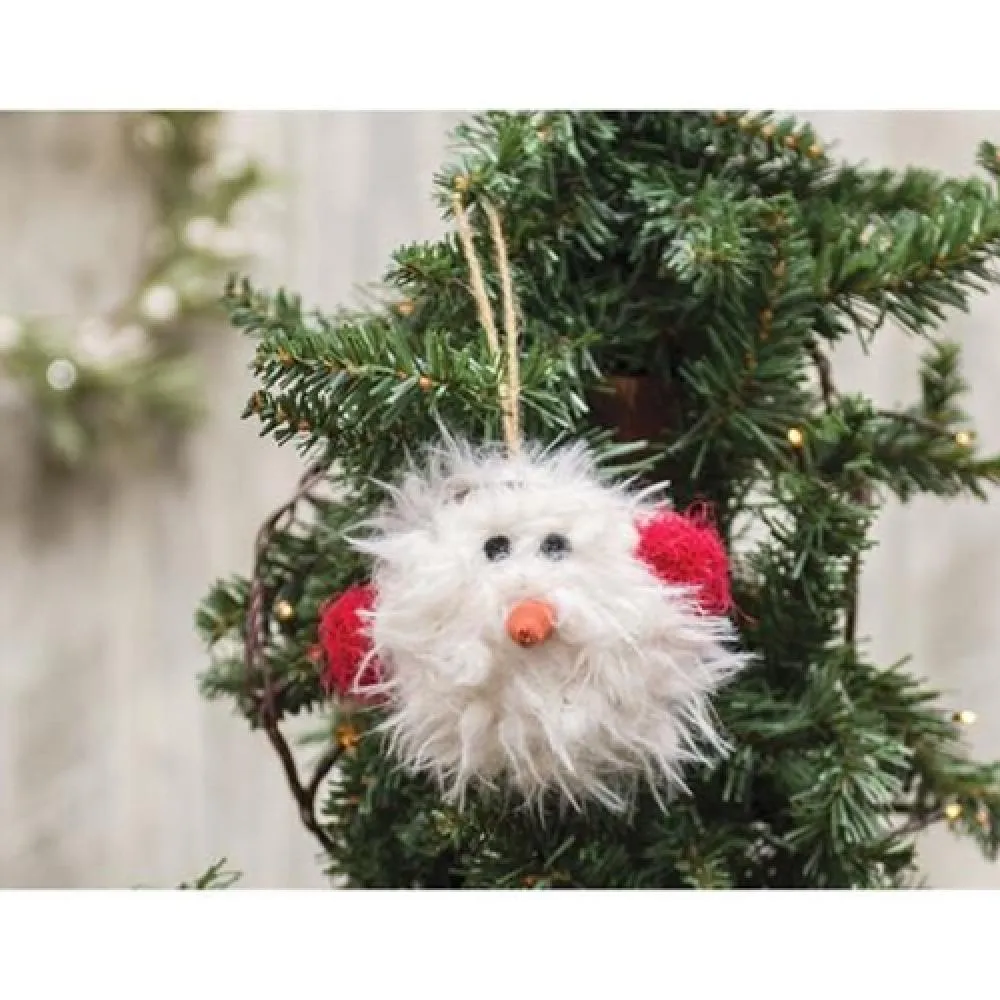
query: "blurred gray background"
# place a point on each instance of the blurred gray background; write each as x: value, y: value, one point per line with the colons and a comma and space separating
x: 113, y: 771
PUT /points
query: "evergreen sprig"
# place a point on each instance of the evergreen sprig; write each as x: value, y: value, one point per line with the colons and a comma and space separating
x: 717, y: 256
x: 216, y: 876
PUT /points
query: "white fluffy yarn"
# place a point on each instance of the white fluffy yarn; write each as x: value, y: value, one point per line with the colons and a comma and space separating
x: 620, y: 690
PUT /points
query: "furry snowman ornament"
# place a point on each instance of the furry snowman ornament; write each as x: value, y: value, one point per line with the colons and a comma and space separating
x: 531, y: 628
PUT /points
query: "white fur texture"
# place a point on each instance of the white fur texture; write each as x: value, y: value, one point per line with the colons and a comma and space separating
x: 621, y: 689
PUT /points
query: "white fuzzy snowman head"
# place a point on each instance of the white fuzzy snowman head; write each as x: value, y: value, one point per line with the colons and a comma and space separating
x: 526, y: 638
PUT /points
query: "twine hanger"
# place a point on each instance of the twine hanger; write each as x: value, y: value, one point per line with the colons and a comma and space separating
x: 510, y: 381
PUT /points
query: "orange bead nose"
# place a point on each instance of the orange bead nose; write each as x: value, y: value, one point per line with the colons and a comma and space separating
x: 531, y: 622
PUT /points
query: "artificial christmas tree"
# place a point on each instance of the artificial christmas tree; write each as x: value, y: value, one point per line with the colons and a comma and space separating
x: 681, y: 280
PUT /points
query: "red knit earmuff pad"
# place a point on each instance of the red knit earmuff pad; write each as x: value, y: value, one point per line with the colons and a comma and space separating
x: 344, y: 638
x: 686, y: 549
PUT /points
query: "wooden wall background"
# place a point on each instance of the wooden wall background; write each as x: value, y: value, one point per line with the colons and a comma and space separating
x: 113, y: 772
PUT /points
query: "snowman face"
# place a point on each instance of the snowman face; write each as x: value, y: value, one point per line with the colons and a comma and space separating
x: 524, y: 644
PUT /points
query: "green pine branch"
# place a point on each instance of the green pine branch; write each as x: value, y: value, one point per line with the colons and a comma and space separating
x: 713, y: 254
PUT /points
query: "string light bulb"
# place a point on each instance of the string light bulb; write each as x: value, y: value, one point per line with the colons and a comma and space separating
x: 405, y: 308
x: 10, y: 332
x: 952, y: 811
x: 795, y: 437
x: 200, y: 232
x: 964, y: 439
x: 160, y: 303
x: 284, y: 610
x: 347, y: 735
x: 61, y: 375
x: 965, y: 718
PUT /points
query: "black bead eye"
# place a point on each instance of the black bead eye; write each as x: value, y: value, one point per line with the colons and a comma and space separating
x: 496, y: 547
x: 555, y: 546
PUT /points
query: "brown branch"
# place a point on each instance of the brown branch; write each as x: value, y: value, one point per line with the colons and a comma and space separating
x: 324, y: 766
x: 257, y: 623
x: 860, y: 494
x: 922, y: 423
x: 304, y: 797
x: 918, y: 823
x: 825, y: 372
x: 258, y: 616
x: 853, y: 588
